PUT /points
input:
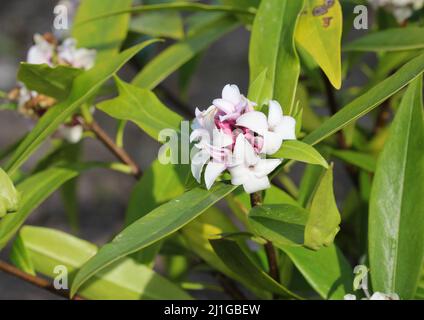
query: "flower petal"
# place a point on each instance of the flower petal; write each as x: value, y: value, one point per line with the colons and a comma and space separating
x: 244, y: 153
x: 231, y: 93
x: 220, y: 139
x: 265, y: 166
x: 275, y: 114
x: 224, y: 105
x: 255, y: 121
x: 252, y: 184
x: 212, y: 172
x: 197, y: 163
x: 287, y: 128
x: 272, y: 143
x: 239, y: 174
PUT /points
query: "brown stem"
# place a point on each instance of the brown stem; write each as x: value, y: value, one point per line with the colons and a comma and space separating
x: 341, y: 139
x: 120, y: 153
x: 256, y: 200
x: 34, y: 280
x: 229, y: 287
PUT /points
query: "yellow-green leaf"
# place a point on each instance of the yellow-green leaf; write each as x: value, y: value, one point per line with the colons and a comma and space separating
x: 320, y: 35
x: 324, y: 217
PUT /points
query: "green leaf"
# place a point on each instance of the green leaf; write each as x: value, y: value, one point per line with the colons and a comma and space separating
x: 106, y: 35
x: 178, y: 54
x: 48, y: 248
x: 396, y: 226
x: 368, y: 101
x: 83, y: 88
x: 272, y: 49
x: 283, y: 224
x: 398, y: 39
x: 142, y: 107
x: 359, y: 159
x: 9, y: 197
x: 151, y: 228
x: 20, y: 256
x: 300, y: 151
x: 179, y: 6
x: 320, y: 36
x: 324, y: 217
x: 239, y: 262
x: 257, y: 86
x: 54, y: 82
x: 197, y: 234
x: 34, y: 190
x: 159, y: 24
x: 326, y: 270
x: 159, y: 184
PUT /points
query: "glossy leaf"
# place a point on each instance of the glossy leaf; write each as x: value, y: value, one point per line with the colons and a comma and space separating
x: 300, y: 151
x: 179, y: 6
x: 143, y: 108
x: 83, y: 88
x: 105, y: 35
x: 181, y: 52
x: 359, y: 159
x: 283, y: 224
x: 398, y: 39
x: 396, y: 227
x: 272, y: 49
x: 239, y: 262
x: 324, y: 216
x: 159, y: 24
x: 48, y: 248
x: 159, y: 184
x: 320, y: 36
x: 368, y: 101
x: 54, y: 82
x: 326, y: 270
x: 9, y: 197
x: 164, y: 220
x: 46, y: 183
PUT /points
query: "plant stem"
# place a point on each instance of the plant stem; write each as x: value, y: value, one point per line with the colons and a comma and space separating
x: 120, y: 153
x: 229, y: 287
x: 34, y: 280
x: 341, y: 139
x: 256, y: 200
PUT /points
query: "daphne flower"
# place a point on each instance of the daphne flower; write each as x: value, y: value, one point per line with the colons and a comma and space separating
x: 401, y: 9
x: 249, y: 169
x: 384, y: 296
x: 41, y: 52
x: 274, y: 129
x: 375, y: 296
x: 78, y: 58
x: 232, y: 104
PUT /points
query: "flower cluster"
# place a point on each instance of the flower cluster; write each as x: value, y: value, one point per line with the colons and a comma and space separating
x: 401, y: 9
x: 232, y: 136
x: 46, y: 50
x: 375, y: 296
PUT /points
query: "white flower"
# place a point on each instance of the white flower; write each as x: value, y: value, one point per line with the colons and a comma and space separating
x: 72, y: 133
x: 273, y: 129
x: 349, y: 297
x: 78, y: 58
x: 41, y: 52
x: 248, y: 169
x: 232, y: 104
x: 384, y: 296
x: 401, y: 9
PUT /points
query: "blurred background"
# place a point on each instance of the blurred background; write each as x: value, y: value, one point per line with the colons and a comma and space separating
x: 103, y: 195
